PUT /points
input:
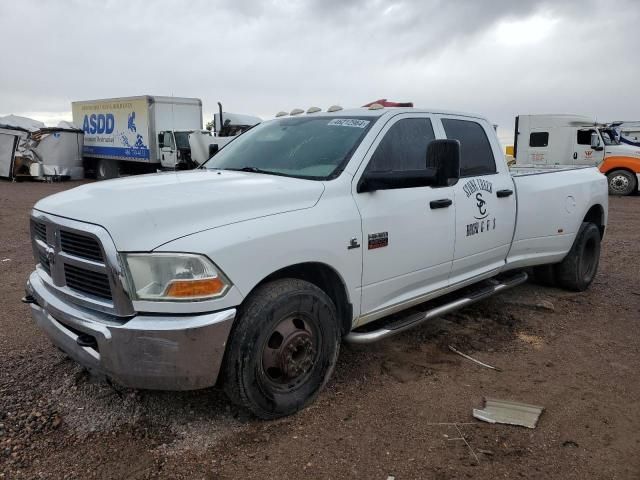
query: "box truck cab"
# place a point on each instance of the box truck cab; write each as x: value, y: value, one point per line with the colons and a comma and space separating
x: 547, y: 140
x: 187, y: 149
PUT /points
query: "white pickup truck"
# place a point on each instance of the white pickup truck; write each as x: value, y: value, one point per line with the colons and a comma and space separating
x: 303, y: 232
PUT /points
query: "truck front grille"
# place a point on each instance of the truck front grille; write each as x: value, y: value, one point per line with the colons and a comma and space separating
x: 79, y: 261
x: 87, y: 281
x: 80, y: 246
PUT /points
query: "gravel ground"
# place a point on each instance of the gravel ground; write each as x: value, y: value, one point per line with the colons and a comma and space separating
x: 398, y: 408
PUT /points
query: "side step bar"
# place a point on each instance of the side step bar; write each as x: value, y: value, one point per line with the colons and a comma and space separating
x: 416, y: 319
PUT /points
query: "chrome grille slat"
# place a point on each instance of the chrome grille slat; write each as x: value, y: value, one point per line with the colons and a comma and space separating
x: 87, y: 282
x: 44, y: 263
x: 40, y: 230
x: 80, y: 245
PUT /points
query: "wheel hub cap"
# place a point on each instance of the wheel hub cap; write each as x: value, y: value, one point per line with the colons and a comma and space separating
x: 296, y: 356
x: 289, y: 353
x: 619, y: 182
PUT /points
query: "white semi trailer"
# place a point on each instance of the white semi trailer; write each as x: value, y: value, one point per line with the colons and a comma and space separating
x: 124, y: 135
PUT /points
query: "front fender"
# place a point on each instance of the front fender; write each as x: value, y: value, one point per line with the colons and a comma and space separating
x: 620, y: 162
x: 250, y: 251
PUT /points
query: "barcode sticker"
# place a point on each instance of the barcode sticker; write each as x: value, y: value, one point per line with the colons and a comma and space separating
x: 349, y: 122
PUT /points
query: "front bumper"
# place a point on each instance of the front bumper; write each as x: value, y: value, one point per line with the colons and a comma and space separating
x: 145, y: 351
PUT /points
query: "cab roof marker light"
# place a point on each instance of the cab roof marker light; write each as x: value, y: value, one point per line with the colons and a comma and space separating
x: 376, y: 106
x: 334, y: 108
x: 314, y: 110
x: 281, y: 114
x: 296, y: 111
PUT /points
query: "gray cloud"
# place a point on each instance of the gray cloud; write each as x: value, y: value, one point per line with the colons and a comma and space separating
x: 261, y: 57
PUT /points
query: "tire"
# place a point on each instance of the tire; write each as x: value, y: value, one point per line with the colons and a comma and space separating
x: 579, y: 268
x: 545, y: 275
x: 283, y: 348
x: 107, y: 169
x: 621, y: 182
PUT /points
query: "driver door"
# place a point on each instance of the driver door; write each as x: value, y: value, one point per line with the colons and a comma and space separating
x: 408, y: 233
x: 583, y: 153
x: 168, y: 153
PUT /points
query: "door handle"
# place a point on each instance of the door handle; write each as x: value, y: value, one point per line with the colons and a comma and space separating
x: 442, y: 203
x: 504, y: 193
x: 575, y: 155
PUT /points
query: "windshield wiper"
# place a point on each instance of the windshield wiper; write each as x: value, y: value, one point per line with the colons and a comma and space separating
x: 252, y: 170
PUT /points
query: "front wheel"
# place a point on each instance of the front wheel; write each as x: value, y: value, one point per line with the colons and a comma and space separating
x: 579, y: 267
x: 621, y: 182
x: 283, y: 348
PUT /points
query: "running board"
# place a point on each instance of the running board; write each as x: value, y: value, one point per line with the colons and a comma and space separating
x: 416, y: 319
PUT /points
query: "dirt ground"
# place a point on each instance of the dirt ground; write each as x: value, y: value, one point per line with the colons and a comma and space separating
x: 400, y: 408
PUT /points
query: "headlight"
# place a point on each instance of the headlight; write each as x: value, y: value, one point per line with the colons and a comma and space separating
x: 174, y: 277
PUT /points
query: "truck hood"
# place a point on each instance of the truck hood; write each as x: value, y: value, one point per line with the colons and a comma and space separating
x: 143, y: 212
x: 622, y: 151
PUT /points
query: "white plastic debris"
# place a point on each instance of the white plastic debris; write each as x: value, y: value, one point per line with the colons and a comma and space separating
x: 508, y: 412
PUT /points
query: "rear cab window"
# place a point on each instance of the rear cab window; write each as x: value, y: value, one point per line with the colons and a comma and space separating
x: 476, y: 154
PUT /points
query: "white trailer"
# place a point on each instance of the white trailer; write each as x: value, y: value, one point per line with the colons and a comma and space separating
x: 28, y: 149
x: 126, y: 135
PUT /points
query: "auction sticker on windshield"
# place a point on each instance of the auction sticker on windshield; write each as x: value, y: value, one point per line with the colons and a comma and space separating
x: 349, y: 122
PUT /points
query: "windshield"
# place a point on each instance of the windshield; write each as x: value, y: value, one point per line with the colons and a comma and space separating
x: 316, y: 148
x: 609, y: 136
x: 182, y: 139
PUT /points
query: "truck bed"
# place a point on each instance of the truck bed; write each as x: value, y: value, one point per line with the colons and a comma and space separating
x: 550, y: 204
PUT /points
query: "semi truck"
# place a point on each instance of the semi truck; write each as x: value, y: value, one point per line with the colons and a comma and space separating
x: 304, y: 232
x: 560, y: 140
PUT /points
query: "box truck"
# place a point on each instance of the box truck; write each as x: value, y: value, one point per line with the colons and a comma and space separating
x: 547, y: 140
x: 126, y: 135
x: 147, y: 133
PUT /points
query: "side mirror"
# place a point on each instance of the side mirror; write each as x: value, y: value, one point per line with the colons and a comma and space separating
x: 161, y: 140
x: 443, y: 156
x: 595, y: 141
x: 213, y: 149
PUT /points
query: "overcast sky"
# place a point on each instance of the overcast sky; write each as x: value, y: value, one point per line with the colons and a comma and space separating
x: 497, y: 58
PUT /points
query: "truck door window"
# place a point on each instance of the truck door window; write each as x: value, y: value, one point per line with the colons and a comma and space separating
x: 167, y: 141
x: 584, y: 136
x: 403, y: 147
x: 476, y: 155
x: 539, y: 139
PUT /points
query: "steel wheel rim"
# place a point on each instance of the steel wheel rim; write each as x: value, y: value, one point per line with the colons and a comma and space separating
x: 619, y: 183
x: 290, y: 352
